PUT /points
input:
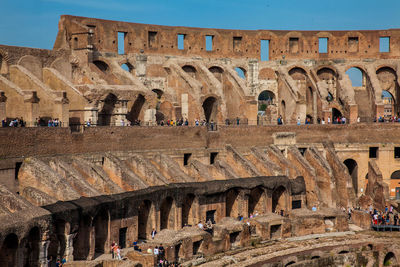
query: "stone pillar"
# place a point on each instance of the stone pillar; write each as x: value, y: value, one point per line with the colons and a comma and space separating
x: 268, y: 208
x: 120, y: 112
x: 61, y: 109
x: 92, y: 114
x: 150, y: 117
x: 353, y: 113
x: 32, y: 107
x: 3, y: 100
x: 243, y: 203
x: 251, y: 114
x: 185, y: 106
x: 92, y: 244
x: 69, y: 247
x: 178, y: 217
x: 315, y: 107
x: 327, y: 114
x: 43, y: 247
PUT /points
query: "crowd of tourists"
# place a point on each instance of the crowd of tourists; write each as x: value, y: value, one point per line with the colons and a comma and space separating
x: 19, y: 122
x: 388, y: 216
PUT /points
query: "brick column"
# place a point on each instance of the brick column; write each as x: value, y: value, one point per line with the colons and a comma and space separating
x: 61, y: 109
x: 32, y: 107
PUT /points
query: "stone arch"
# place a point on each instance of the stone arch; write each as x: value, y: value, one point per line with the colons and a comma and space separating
x: 289, y: 261
x: 279, y: 199
x: 102, y: 66
x: 282, y: 110
x: 357, y: 76
x: 33, y: 64
x: 187, y: 210
x: 256, y: 201
x: 106, y: 113
x: 190, y: 70
x: 210, y: 108
x: 390, y: 259
x: 266, y: 98
x: 144, y: 219
x: 395, y: 175
x: 327, y: 73
x: 100, y: 224
x: 232, y: 203
x: 167, y: 213
x: 298, y: 73
x: 31, y: 247
x: 136, y: 109
x: 127, y: 67
x: 388, y: 80
x: 8, y: 251
x: 217, y: 72
x: 352, y: 167
x: 336, y: 113
x: 81, y: 241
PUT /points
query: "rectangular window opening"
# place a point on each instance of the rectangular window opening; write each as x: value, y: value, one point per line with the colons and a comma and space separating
x: 210, y: 216
x: 152, y: 39
x: 237, y: 42
x: 181, y: 41
x: 213, y: 157
x: 122, y: 237
x: 121, y: 43
x: 264, y: 50
x: 196, y: 247
x: 323, y: 45
x: 373, y: 152
x: 384, y: 44
x: 186, y: 158
x: 17, y: 167
x: 397, y: 152
x: 209, y: 42
x: 296, y: 204
x: 353, y: 44
x: 294, y: 45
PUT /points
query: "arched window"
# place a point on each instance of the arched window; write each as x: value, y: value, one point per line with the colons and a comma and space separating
x: 356, y: 76
x: 241, y: 72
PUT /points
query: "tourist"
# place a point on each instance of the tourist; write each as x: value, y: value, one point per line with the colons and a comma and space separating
x: 200, y: 225
x: 280, y: 120
x: 314, y: 208
x: 358, y: 119
x: 237, y: 121
x: 298, y: 121
x: 329, y: 120
x: 153, y: 233
x: 323, y: 121
x: 149, y: 251
x: 4, y: 123
x: 119, y: 253
x: 156, y: 253
x: 112, y: 249
x: 136, y: 246
x: 161, y: 251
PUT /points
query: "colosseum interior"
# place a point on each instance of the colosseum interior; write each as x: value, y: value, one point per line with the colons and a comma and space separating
x: 69, y: 192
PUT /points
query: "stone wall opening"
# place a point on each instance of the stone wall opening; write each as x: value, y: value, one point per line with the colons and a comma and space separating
x: 336, y: 114
x: 390, y: 259
x: 275, y: 231
x: 279, y: 199
x: 187, y: 210
x: 265, y: 99
x: 101, y: 65
x: 81, y: 241
x: 352, y: 167
x: 217, y: 72
x: 387, y: 77
x: 105, y: 115
x: 210, y: 107
x: 256, y: 201
x: 122, y: 237
x: 190, y: 70
x: 134, y: 113
x: 100, y: 223
x: 8, y: 251
x: 196, y: 247
x: 31, y: 247
x: 57, y: 244
x: 232, y: 207
x: 234, y: 239
x: 167, y: 211
x: 310, y: 103
x: 144, y: 224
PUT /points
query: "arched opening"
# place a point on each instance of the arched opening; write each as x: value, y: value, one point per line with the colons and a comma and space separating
x: 336, y: 114
x: 31, y: 255
x: 256, y: 201
x: 389, y: 105
x: 279, y: 199
x: 387, y: 77
x: 144, y: 224
x: 134, y: 114
x: 187, y: 210
x: 190, y: 70
x: 241, y: 72
x: 210, y: 107
x: 298, y: 74
x: 356, y: 76
x: 101, y: 65
x: 395, y: 175
x: 81, y: 240
x: 100, y: 223
x: 105, y: 115
x: 217, y: 72
x: 8, y: 251
x: 282, y: 110
x: 231, y: 203
x: 167, y: 211
x: 352, y: 167
x: 390, y: 260
x: 158, y: 92
x: 127, y: 67
x: 265, y: 98
x: 328, y: 76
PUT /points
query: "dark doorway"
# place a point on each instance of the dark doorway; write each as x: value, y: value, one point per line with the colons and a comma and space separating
x: 187, y: 210
x: 17, y: 167
x: 256, y: 201
x: 167, y: 214
x: 81, y: 240
x: 210, y: 106
x: 8, y: 251
x: 232, y: 203
x: 134, y: 113
x: 31, y: 256
x: 122, y: 237
x: 279, y: 199
x: 210, y: 216
x: 177, y: 249
x: 335, y: 114
x: 106, y: 112
x: 100, y: 223
x: 352, y: 167
x: 144, y: 227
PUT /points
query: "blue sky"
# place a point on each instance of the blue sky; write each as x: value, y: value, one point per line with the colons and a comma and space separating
x: 34, y: 23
